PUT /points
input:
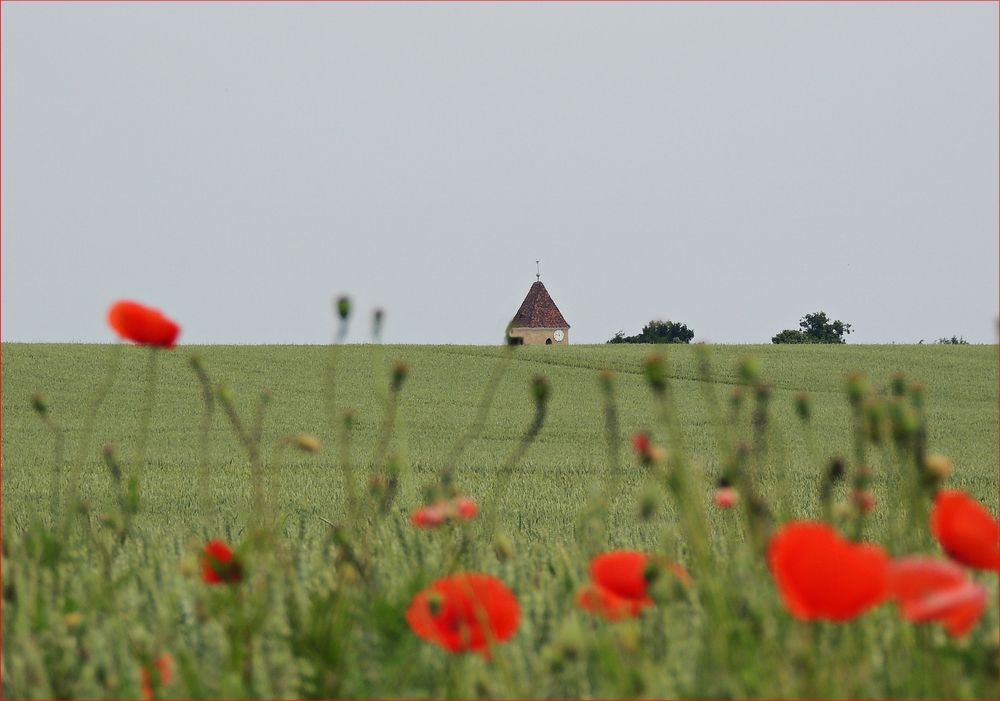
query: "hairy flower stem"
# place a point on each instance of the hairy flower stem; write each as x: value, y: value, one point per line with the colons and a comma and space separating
x: 475, y: 428
x: 385, y: 435
x: 89, y: 424
x: 204, y: 472
x: 758, y: 512
x: 246, y: 438
x: 57, y: 464
x: 329, y: 396
x: 507, y: 470
x: 350, y: 484
x: 859, y: 463
x: 611, y: 432
x: 152, y: 373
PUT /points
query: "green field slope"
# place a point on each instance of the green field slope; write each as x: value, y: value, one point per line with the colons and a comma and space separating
x: 438, y: 403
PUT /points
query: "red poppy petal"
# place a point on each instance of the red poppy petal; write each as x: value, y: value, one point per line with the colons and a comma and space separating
x: 966, y: 530
x: 621, y: 572
x: 821, y: 576
x: 473, y: 612
x: 937, y: 590
x: 143, y: 325
x: 603, y: 602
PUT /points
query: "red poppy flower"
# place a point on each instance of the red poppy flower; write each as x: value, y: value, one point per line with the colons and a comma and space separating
x: 147, y: 327
x: 463, y: 612
x: 219, y: 565
x: 936, y: 590
x: 163, y: 667
x: 822, y: 576
x: 434, y: 515
x: 640, y: 443
x: 428, y: 516
x: 620, y: 587
x: 725, y: 497
x: 966, y: 531
x: 466, y: 508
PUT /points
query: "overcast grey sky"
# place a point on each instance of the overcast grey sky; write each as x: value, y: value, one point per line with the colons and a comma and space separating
x: 730, y: 166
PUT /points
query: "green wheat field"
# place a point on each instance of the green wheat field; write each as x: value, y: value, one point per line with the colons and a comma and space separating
x: 311, y: 631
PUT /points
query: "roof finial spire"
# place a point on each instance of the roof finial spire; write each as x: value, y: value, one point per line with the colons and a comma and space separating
x: 538, y: 271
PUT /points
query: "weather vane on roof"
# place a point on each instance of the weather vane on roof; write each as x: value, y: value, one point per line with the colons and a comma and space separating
x: 538, y: 270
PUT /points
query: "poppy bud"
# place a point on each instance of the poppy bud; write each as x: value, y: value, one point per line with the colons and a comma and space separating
x: 898, y: 384
x: 875, y: 416
x: 905, y: 422
x: 835, y: 471
x: 39, y: 404
x: 938, y: 467
x: 857, y: 387
x: 348, y: 419
x: 343, y: 307
x: 540, y: 389
x: 225, y: 393
x: 399, y: 372
x: 749, y: 369
x: 762, y: 390
x: 503, y: 548
x: 649, y: 502
x: 195, y: 361
x: 656, y: 373
x: 73, y: 619
x: 304, y: 442
x: 607, y: 379
x: 918, y: 393
x: 803, y: 407
x: 378, y: 316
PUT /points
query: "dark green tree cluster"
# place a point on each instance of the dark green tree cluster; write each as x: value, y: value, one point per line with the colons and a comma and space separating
x: 815, y: 328
x: 953, y: 341
x: 657, y: 332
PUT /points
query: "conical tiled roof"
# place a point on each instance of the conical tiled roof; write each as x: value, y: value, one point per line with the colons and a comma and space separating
x: 539, y: 311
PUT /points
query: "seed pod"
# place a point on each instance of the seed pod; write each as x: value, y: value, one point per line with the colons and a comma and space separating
x: 938, y: 467
x: 399, y: 373
x: 39, y: 404
x: 343, y: 307
x: 749, y: 369
x: 857, y: 387
x: 305, y: 443
x: 803, y: 406
x: 656, y: 373
x: 898, y: 384
x: 540, y: 389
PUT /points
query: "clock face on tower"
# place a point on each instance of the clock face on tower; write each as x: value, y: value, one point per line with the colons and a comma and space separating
x: 558, y: 335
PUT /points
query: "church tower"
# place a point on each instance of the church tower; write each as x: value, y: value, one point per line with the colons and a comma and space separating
x: 538, y: 321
